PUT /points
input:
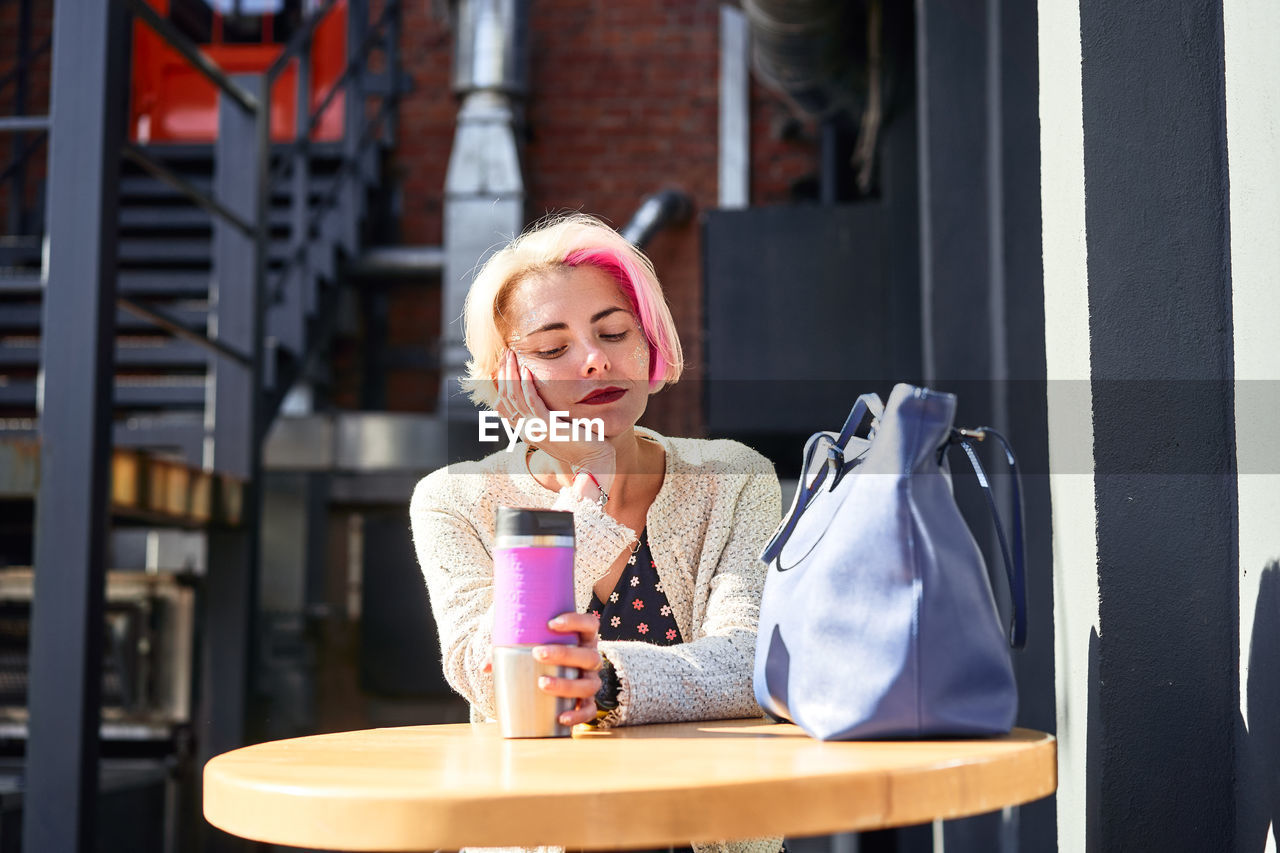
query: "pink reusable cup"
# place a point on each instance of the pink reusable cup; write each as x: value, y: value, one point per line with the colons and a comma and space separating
x: 532, y: 584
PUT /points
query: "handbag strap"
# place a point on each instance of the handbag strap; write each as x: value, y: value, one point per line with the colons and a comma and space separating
x: 866, y: 404
x: 804, y: 494
x: 1015, y: 567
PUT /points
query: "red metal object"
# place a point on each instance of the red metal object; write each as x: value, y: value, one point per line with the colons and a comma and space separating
x: 171, y: 102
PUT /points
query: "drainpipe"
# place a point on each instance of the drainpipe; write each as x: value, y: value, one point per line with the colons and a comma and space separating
x: 484, y: 188
x: 659, y: 210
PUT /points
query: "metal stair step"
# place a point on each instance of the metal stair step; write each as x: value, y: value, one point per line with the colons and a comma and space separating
x: 27, y: 317
x: 153, y: 283
x: 21, y: 284
x: 185, y: 218
x: 187, y: 156
x: 160, y: 355
x: 21, y: 393
x: 19, y: 251
x: 182, y: 250
x: 180, y: 283
x: 135, y: 187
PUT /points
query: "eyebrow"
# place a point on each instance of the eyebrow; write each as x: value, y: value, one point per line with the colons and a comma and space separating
x: 595, y: 318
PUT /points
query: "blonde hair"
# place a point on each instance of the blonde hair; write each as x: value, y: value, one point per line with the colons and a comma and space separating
x: 560, y: 242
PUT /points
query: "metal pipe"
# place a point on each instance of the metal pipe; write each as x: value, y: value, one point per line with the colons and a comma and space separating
x: 491, y: 48
x: 660, y: 210
x: 484, y: 187
x: 397, y: 261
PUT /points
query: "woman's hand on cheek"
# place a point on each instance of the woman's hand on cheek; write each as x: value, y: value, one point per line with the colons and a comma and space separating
x: 518, y: 397
x: 584, y: 657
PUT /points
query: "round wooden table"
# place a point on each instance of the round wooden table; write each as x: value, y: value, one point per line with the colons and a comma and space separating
x: 451, y: 786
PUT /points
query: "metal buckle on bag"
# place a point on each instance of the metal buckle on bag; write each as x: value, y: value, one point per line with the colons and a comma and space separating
x: 835, y: 461
x: 959, y: 436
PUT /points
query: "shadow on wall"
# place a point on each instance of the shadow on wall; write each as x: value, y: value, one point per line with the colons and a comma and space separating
x: 1259, y: 745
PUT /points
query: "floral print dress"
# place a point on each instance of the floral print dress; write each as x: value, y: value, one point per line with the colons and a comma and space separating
x: 637, y: 608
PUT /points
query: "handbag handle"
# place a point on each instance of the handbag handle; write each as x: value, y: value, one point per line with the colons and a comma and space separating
x: 1014, y: 567
x: 866, y: 404
x: 804, y: 494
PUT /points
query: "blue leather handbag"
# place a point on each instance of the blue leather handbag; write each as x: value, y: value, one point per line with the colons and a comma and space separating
x: 878, y: 618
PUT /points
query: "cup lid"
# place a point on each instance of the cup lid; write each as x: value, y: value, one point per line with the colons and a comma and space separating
x: 517, y: 521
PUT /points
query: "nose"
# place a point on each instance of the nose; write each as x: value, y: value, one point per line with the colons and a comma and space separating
x: 596, y: 362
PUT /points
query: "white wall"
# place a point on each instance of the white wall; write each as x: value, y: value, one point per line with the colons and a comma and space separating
x: 1252, y: 31
x: 1070, y: 415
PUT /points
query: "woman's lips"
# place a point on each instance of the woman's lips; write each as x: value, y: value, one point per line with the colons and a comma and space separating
x: 604, y: 395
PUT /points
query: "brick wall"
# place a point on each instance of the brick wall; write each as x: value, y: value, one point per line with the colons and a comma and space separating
x: 624, y: 100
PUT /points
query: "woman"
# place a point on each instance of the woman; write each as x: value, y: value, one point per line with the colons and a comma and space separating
x: 569, y: 317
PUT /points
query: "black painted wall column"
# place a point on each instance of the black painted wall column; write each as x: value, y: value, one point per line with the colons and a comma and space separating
x: 89, y: 85
x: 1161, y: 759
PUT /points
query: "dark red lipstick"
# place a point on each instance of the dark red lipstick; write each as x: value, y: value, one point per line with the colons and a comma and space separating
x: 600, y: 396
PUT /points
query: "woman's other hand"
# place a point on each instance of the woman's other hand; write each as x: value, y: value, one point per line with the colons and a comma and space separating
x: 584, y: 657
x: 518, y: 398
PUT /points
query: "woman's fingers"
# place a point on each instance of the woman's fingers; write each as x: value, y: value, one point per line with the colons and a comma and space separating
x: 584, y: 712
x: 584, y: 658
x: 532, y: 399
x: 585, y: 625
x: 574, y: 688
x: 508, y: 380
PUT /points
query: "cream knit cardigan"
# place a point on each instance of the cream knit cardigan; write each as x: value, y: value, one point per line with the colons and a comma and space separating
x: 718, y: 504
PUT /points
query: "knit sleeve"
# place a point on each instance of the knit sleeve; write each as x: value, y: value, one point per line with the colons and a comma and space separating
x: 458, y: 569
x: 709, y: 677
x: 598, y: 540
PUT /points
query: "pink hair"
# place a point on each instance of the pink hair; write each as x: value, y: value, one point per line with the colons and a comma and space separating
x: 623, y: 268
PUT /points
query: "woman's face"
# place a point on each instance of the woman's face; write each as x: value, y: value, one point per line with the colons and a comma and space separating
x: 575, y: 331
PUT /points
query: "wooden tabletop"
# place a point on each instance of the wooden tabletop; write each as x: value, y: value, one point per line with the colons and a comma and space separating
x: 446, y: 787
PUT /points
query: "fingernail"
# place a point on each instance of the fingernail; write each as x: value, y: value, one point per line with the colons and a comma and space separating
x: 544, y: 681
x: 564, y: 719
x: 557, y: 622
x: 541, y: 653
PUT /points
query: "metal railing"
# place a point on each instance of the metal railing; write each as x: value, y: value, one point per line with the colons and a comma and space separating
x: 291, y: 159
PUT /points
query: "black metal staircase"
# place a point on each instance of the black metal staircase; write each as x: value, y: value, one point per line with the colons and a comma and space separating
x: 223, y: 280
x: 163, y: 286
